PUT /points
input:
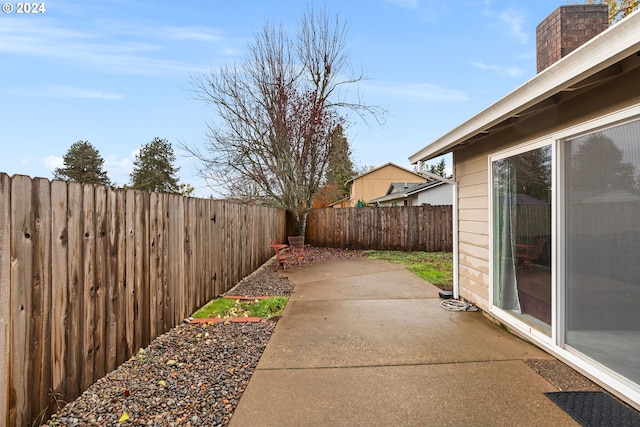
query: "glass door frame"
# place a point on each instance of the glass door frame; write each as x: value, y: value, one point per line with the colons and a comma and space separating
x: 520, y: 326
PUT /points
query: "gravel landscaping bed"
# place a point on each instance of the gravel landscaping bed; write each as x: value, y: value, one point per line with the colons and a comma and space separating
x: 192, y: 375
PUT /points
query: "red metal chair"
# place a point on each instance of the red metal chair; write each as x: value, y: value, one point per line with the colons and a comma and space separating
x: 527, y: 254
x: 298, y: 248
x: 283, y: 254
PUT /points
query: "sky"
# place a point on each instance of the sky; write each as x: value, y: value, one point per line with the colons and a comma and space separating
x: 119, y: 73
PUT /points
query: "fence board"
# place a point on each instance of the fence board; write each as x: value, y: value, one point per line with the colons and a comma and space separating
x: 191, y: 244
x: 100, y: 287
x: 407, y: 228
x: 155, y: 263
x: 40, y: 331
x: 130, y: 273
x: 5, y: 296
x: 117, y: 242
x: 74, y: 288
x: 88, y: 294
x: 141, y: 279
x: 20, y: 405
x: 59, y: 288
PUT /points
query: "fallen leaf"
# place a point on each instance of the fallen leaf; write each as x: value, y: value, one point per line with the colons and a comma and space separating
x: 124, y: 417
x: 162, y: 383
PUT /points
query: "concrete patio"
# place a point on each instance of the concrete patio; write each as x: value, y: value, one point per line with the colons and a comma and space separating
x: 365, y: 342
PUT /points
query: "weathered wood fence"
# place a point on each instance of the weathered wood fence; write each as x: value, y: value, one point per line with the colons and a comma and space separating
x: 409, y: 228
x: 89, y: 275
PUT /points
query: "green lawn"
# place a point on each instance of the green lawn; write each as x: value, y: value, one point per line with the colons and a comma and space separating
x: 226, y: 307
x: 434, y: 267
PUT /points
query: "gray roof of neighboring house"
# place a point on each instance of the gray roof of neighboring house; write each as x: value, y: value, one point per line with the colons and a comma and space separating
x: 401, y: 190
x: 425, y: 186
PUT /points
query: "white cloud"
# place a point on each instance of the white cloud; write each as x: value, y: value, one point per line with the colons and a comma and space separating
x: 406, y: 4
x: 103, y: 47
x: 76, y: 92
x: 515, y: 22
x: 422, y: 92
x: 62, y: 92
x: 52, y: 162
x: 193, y: 33
x: 119, y: 169
x: 503, y: 71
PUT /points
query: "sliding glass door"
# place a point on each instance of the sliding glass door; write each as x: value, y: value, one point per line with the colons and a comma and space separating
x: 522, y: 236
x: 602, y: 241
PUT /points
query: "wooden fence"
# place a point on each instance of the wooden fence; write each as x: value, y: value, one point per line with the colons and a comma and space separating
x: 410, y: 228
x: 89, y: 275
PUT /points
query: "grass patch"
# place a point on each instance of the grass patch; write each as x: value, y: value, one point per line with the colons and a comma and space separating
x: 222, y: 308
x: 434, y: 267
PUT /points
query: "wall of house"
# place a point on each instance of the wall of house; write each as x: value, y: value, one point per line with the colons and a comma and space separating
x: 376, y: 183
x: 440, y: 195
x: 471, y: 172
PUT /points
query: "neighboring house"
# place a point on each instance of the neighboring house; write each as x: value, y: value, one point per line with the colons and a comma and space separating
x: 375, y: 183
x: 436, y: 191
x: 342, y: 203
x: 546, y: 214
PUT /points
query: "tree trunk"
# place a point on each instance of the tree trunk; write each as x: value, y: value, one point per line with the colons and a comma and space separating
x: 300, y: 219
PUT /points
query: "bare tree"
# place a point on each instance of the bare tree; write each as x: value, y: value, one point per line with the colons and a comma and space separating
x: 277, y: 114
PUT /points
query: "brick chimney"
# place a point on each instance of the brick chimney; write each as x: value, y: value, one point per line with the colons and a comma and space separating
x: 566, y: 29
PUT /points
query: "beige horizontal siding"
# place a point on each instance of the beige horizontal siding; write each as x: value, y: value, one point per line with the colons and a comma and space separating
x: 473, y: 190
x: 473, y: 227
x: 481, y: 215
x: 473, y: 261
x: 472, y: 203
x: 473, y: 239
x: 470, y: 167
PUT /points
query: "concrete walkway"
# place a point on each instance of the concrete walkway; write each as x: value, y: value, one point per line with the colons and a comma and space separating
x: 366, y: 343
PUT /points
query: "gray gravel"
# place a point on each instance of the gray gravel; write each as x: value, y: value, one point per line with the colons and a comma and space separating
x: 194, y: 374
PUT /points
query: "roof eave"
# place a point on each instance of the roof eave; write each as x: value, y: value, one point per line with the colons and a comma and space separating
x: 609, y: 47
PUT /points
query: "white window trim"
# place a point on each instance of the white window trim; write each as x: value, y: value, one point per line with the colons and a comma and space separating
x: 518, y: 325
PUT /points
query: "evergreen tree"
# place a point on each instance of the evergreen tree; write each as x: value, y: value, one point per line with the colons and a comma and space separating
x: 439, y: 168
x: 153, y: 168
x: 83, y: 163
x: 340, y: 169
